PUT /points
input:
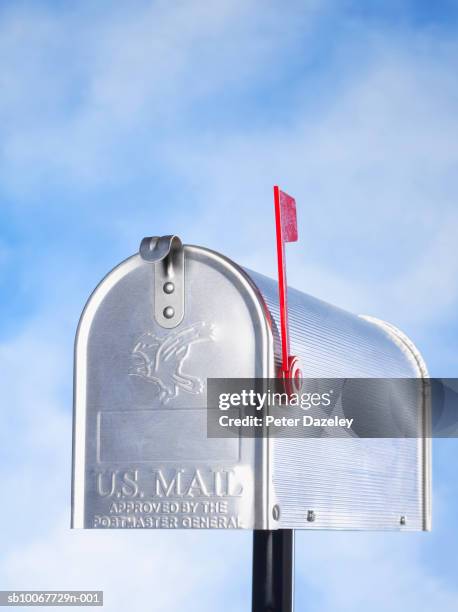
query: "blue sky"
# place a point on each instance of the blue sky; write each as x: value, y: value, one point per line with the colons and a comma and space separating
x: 119, y: 121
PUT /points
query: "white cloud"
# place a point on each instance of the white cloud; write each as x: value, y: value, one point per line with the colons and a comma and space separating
x: 380, y: 572
x: 85, y: 96
x: 373, y: 175
x: 165, y: 570
x: 372, y: 167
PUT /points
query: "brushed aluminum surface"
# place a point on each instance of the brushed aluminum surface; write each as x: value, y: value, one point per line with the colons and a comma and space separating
x: 142, y: 458
x: 347, y: 483
x: 141, y: 454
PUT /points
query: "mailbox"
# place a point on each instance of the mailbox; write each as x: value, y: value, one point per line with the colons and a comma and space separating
x: 154, y: 331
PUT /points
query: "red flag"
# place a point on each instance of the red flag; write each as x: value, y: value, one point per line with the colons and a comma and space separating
x: 286, y: 215
x: 286, y: 226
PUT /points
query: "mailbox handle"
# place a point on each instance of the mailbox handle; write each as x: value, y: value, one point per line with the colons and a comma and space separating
x: 157, y: 248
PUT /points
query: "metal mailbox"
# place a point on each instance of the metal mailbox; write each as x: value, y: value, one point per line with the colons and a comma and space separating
x: 155, y: 329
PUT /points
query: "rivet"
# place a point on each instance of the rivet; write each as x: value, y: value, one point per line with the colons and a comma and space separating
x: 169, y: 287
x: 169, y: 312
x: 276, y: 512
x: 403, y: 520
x: 311, y: 516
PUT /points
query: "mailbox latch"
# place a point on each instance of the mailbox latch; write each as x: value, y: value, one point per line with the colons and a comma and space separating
x: 167, y: 255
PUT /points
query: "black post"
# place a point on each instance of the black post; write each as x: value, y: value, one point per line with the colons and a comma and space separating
x: 273, y: 569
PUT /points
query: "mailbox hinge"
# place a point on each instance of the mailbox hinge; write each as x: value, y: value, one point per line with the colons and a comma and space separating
x: 167, y: 255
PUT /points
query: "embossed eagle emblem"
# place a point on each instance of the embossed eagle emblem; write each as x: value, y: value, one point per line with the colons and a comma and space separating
x: 160, y: 360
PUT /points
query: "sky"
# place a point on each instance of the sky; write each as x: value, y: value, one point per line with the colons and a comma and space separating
x: 122, y: 120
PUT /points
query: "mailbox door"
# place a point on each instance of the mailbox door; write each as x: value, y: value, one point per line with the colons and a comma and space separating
x: 142, y: 458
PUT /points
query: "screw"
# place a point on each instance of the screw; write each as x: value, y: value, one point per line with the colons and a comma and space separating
x: 169, y: 312
x: 403, y: 520
x: 276, y: 512
x: 311, y: 516
x: 169, y: 287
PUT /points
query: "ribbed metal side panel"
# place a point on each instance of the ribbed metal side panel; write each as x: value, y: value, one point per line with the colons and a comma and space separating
x: 347, y: 483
